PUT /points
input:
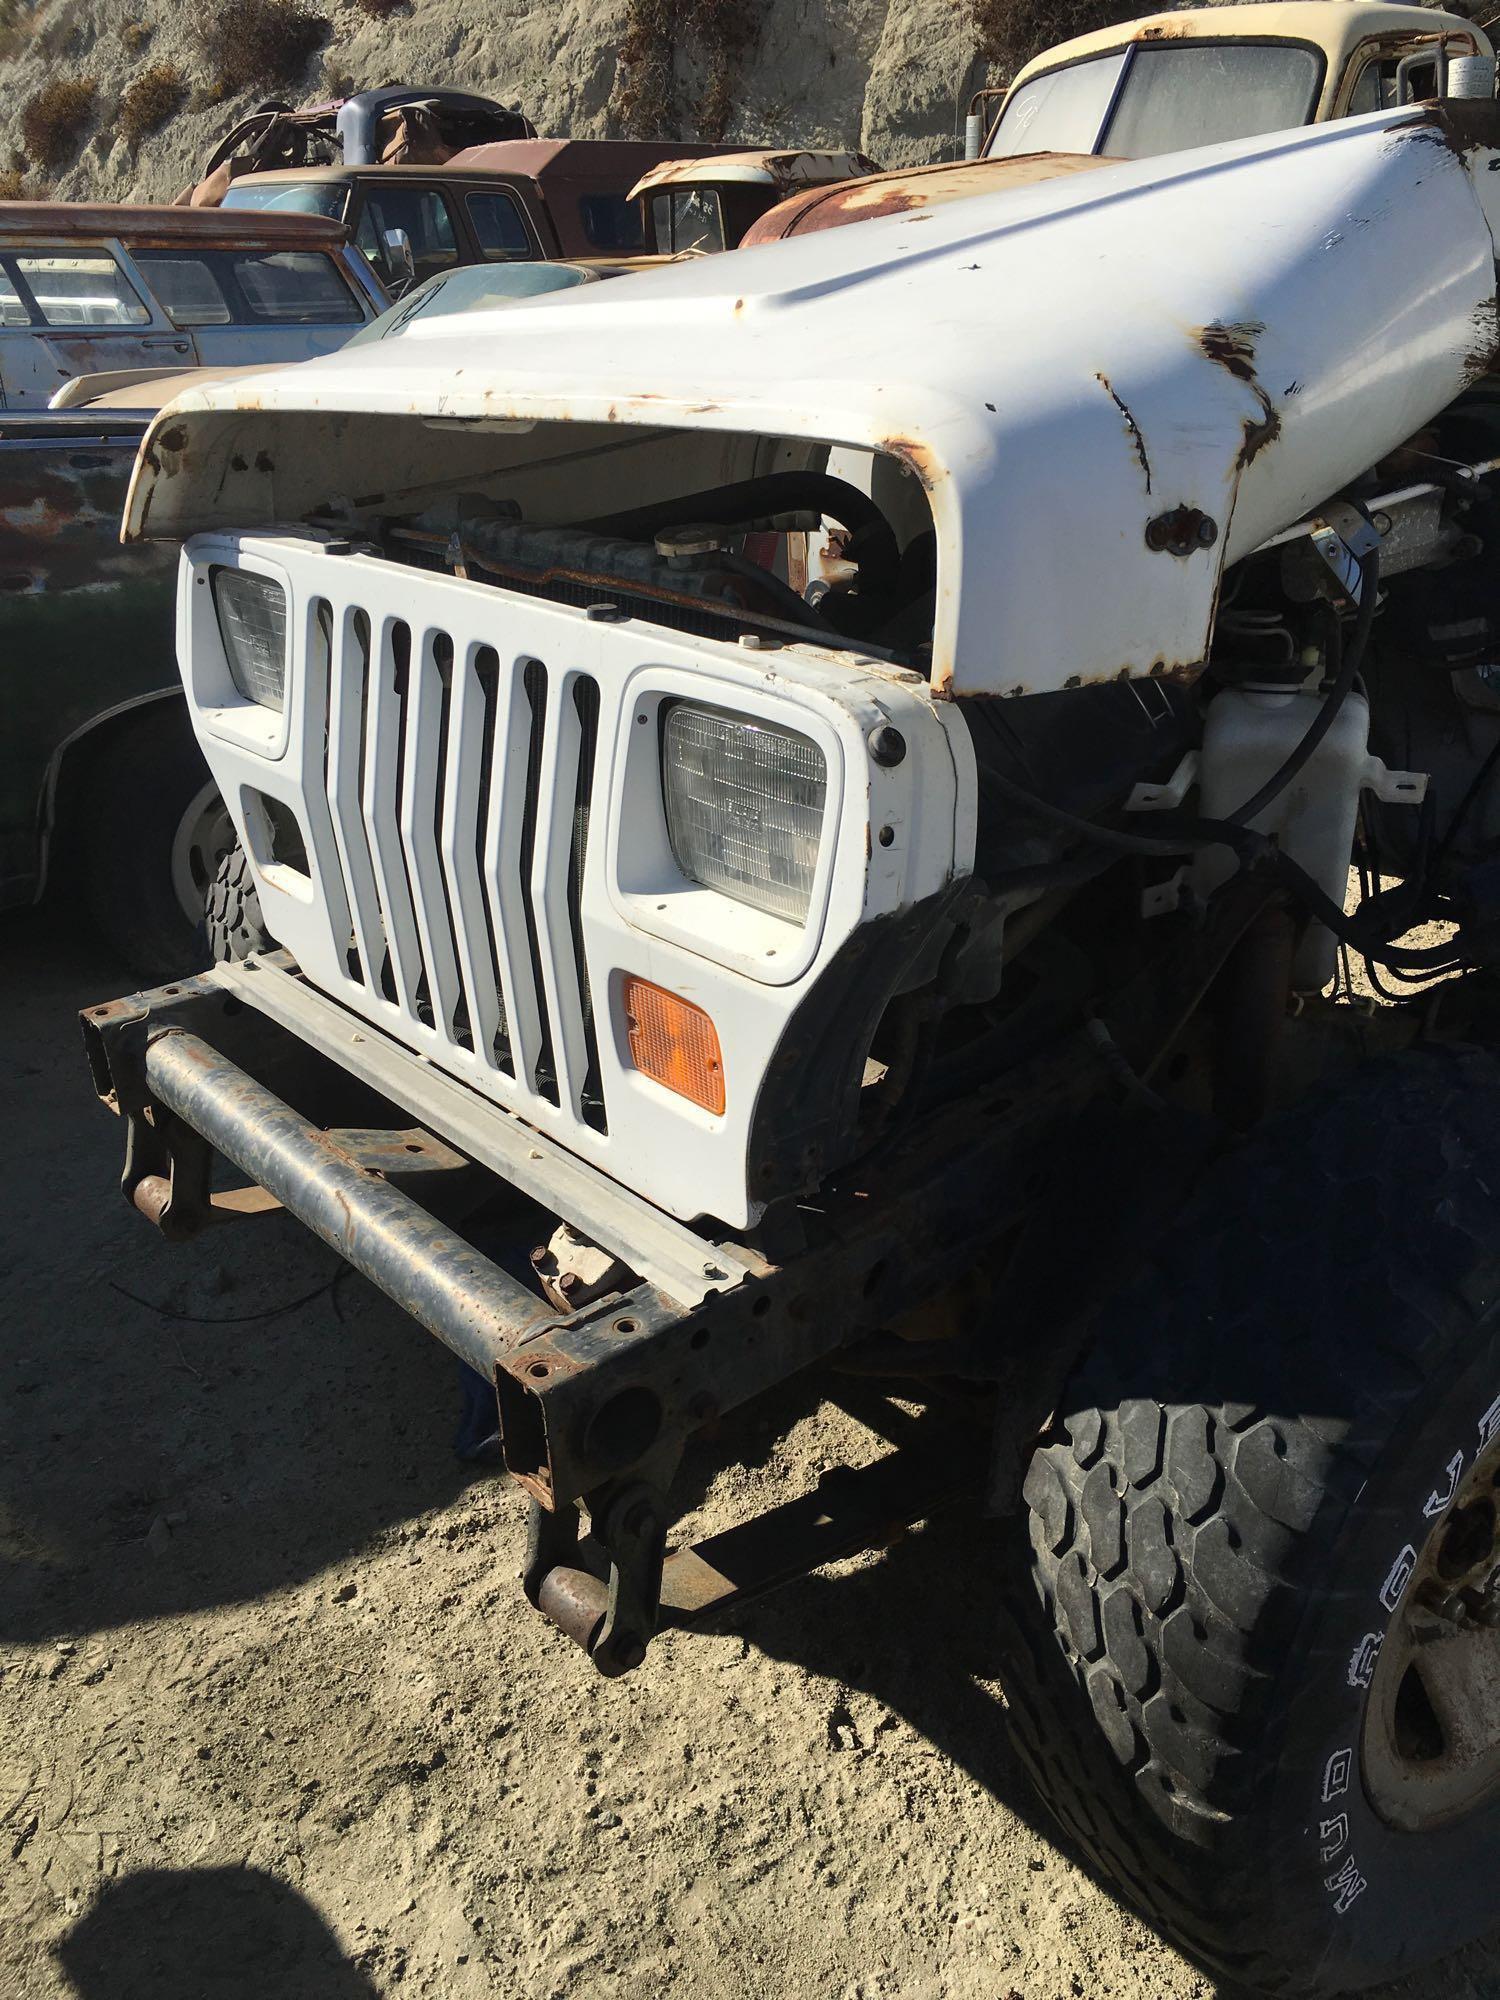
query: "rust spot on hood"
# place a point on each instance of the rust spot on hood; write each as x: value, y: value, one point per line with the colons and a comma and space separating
x: 917, y: 457
x: 1464, y: 124
x: 1231, y: 344
x: 1132, y: 428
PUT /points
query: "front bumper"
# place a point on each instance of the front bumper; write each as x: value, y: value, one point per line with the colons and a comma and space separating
x: 594, y: 1405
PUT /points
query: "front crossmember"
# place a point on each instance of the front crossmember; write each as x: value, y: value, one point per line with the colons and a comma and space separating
x: 394, y: 1164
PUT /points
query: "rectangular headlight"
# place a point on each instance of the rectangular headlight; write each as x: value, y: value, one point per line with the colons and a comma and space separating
x: 251, y: 611
x: 744, y: 802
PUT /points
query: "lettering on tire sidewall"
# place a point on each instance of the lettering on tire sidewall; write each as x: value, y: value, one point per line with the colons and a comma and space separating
x: 1339, y: 1826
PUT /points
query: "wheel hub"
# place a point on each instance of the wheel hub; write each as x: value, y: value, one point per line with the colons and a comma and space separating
x: 1431, y: 1742
x: 204, y: 833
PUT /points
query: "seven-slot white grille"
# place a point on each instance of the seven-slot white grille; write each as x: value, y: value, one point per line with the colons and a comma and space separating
x: 458, y: 788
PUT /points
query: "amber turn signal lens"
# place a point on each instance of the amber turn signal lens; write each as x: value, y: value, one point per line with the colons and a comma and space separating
x: 674, y: 1042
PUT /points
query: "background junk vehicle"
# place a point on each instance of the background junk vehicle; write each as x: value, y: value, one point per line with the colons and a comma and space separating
x: 101, y: 781
x: 97, y: 758
x: 471, y: 288
x: 509, y: 202
x: 1193, y: 78
x: 1164, y: 84
x: 708, y: 204
x: 928, y: 982
x: 88, y: 290
x: 399, y: 125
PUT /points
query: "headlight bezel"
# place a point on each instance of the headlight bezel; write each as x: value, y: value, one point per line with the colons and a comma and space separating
x: 223, y: 580
x: 792, y: 904
x: 648, y: 886
x: 223, y: 709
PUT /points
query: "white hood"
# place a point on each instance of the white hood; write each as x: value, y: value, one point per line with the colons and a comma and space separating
x: 1236, y: 331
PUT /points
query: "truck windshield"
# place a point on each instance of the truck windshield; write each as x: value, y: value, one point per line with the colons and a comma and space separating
x: 294, y: 198
x: 1173, y: 96
x: 471, y: 288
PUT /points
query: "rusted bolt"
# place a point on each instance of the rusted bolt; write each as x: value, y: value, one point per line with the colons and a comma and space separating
x: 568, y: 1282
x: 1181, y: 530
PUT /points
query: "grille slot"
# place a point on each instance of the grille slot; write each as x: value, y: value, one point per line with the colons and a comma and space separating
x: 459, y: 786
x: 586, y: 702
x: 534, y: 685
x: 344, y: 762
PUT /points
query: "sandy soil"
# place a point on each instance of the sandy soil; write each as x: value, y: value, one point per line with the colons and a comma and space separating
x: 275, y: 1723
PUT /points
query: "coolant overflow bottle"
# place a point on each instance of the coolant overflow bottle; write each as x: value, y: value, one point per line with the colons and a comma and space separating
x: 1249, y: 733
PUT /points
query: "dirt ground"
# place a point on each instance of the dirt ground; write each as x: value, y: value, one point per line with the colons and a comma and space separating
x: 276, y: 1725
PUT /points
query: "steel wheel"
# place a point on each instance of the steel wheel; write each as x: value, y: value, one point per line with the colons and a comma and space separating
x: 204, y: 835
x: 1431, y: 1746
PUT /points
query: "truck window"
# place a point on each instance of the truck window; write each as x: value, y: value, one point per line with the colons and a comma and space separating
x: 246, y: 287
x: 1201, y: 94
x: 81, y: 291
x: 687, y: 219
x: 1059, y: 112
x: 425, y: 218
x: 329, y: 198
x: 611, y: 222
x: 12, y: 309
x: 1378, y: 90
x: 499, y: 227
x: 186, y: 287
x: 295, y: 288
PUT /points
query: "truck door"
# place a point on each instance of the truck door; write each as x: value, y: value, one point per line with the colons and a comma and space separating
x: 246, y: 307
x: 409, y: 220
x: 69, y: 309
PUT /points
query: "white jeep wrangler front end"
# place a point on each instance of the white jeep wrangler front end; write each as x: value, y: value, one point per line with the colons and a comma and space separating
x: 666, y: 978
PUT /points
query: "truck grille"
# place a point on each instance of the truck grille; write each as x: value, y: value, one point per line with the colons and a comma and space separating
x: 459, y: 787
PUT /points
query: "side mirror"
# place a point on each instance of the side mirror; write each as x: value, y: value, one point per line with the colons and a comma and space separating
x: 400, y: 262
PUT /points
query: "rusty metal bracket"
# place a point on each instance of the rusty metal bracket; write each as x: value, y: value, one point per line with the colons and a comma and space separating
x: 612, y: 1616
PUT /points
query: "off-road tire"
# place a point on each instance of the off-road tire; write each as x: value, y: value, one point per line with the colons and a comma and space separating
x: 1216, y: 1526
x: 126, y: 803
x: 232, y: 914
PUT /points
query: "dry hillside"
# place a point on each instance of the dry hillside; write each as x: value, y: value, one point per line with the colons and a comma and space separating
x: 124, y: 97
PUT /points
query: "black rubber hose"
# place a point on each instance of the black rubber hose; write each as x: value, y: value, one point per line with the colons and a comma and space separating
x: 1333, y: 701
x: 1250, y: 848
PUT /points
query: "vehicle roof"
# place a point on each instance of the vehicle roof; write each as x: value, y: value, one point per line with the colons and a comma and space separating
x: 969, y: 343
x: 275, y: 176
x: 759, y: 168
x: 153, y: 223
x: 1336, y: 26
x: 913, y: 187
x: 572, y: 159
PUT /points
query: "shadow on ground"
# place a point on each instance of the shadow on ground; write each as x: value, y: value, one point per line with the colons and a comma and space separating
x: 180, y: 1426
x: 206, y: 1934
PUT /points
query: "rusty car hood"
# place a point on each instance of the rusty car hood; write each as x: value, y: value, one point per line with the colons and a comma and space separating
x: 874, y: 195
